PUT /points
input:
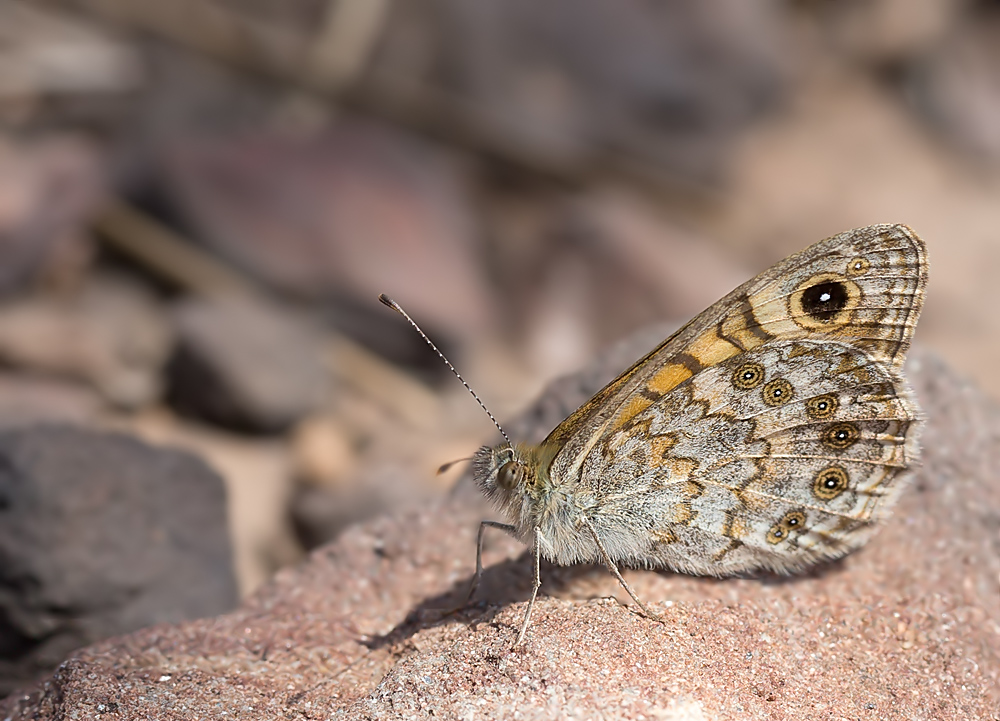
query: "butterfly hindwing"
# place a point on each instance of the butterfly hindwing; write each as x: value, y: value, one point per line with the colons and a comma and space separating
x: 742, y: 478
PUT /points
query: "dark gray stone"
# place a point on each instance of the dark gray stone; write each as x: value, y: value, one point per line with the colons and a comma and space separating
x: 246, y: 365
x: 101, y: 534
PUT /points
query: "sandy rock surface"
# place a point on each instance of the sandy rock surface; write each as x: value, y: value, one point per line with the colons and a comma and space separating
x: 907, y: 628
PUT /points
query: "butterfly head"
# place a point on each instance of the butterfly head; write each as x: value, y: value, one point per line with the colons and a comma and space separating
x: 511, y: 475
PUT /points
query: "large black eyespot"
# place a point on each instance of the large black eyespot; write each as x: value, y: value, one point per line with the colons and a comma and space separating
x: 824, y: 300
x: 822, y: 406
x: 778, y: 392
x: 511, y: 475
x: 841, y: 435
x: 748, y: 376
x: 830, y: 483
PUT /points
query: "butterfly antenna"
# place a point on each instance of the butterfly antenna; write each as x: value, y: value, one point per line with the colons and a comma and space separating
x: 386, y: 300
x: 445, y: 467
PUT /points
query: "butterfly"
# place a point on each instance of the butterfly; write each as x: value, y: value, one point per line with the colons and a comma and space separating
x: 773, y: 431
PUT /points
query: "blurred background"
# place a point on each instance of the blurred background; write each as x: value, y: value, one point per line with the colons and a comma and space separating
x: 200, y: 201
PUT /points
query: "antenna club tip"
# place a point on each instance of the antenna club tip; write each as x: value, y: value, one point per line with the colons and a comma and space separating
x: 387, y: 301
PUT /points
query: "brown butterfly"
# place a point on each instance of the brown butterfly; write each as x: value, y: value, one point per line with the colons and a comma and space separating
x: 772, y: 431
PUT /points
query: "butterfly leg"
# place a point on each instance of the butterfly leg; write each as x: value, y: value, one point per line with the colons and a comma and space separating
x: 506, y: 527
x: 537, y: 548
x: 614, y: 569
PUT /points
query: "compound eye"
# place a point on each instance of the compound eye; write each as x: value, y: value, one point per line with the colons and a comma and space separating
x: 510, y: 475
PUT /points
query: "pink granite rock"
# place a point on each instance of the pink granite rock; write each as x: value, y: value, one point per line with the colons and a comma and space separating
x: 907, y: 628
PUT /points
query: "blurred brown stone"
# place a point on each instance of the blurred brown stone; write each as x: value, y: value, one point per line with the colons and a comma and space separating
x: 245, y: 364
x: 321, y: 514
x: 26, y: 400
x: 49, y: 189
x: 907, y: 627
x: 323, y: 451
x: 661, y: 89
x: 889, y: 32
x: 47, y: 55
x: 110, y: 333
x: 339, y: 215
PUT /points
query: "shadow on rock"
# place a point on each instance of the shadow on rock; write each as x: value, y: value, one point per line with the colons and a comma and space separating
x: 502, y: 584
x: 509, y: 582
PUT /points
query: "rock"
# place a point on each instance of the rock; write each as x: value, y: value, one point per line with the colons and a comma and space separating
x: 101, y: 535
x: 48, y: 191
x: 29, y: 400
x: 907, y: 627
x: 661, y: 89
x: 394, y: 475
x: 324, y: 452
x: 246, y: 365
x: 340, y: 215
x: 321, y: 514
x: 50, y: 58
x: 258, y: 476
x: 889, y: 32
x: 110, y: 333
x: 328, y: 496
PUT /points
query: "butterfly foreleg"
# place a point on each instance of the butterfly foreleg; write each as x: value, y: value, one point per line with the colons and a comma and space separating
x: 606, y: 557
x: 537, y: 548
x: 507, y: 528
